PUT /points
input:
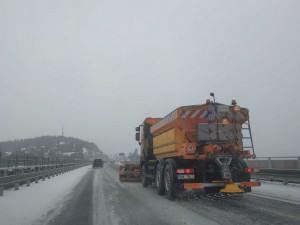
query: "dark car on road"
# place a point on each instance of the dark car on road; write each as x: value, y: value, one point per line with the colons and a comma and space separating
x: 97, y: 163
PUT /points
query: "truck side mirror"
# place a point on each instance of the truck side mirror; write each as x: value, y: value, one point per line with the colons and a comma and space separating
x: 137, y: 128
x: 137, y: 137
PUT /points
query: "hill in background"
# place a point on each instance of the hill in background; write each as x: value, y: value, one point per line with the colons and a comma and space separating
x: 52, y: 146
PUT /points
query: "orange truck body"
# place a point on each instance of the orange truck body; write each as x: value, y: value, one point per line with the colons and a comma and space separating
x: 183, y: 122
x: 197, y: 146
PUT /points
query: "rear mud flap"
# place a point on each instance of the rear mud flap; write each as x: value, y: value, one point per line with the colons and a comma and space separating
x: 231, y: 188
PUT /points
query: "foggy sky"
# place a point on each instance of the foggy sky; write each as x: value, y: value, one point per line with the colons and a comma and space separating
x: 100, y: 67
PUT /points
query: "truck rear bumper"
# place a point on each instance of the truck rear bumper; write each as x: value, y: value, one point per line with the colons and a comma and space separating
x: 208, y: 185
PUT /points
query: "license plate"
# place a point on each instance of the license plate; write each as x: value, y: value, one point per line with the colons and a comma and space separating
x: 186, y: 176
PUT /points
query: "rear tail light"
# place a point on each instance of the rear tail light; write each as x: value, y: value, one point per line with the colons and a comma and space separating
x: 185, y: 171
x: 251, y: 170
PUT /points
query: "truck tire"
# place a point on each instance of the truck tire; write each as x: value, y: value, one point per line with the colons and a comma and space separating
x: 169, y: 179
x: 159, y: 181
x: 238, y: 167
x: 144, y: 178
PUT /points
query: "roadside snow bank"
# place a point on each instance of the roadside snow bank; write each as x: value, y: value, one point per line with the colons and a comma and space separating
x: 29, y: 204
x: 290, y: 192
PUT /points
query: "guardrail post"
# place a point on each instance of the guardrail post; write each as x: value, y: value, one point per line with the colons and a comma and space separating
x: 43, y: 178
x: 28, y: 182
x: 17, y: 184
x: 1, y: 190
x: 269, y: 163
x: 49, y: 176
x: 36, y: 180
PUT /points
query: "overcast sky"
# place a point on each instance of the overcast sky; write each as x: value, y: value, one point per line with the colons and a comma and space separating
x: 100, y: 67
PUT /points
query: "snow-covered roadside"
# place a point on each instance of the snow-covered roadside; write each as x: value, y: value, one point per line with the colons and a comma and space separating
x: 289, y: 192
x: 29, y: 204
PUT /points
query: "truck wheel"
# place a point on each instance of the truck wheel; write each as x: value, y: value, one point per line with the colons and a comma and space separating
x: 238, y: 167
x: 170, y: 188
x: 144, y: 179
x: 159, y: 180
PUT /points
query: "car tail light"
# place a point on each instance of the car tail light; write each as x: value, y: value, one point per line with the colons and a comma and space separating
x: 185, y: 171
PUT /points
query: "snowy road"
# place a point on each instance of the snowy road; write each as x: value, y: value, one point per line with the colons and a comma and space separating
x: 95, y: 196
x: 101, y: 199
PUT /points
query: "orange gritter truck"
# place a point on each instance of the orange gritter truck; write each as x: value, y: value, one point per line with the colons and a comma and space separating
x: 197, y: 147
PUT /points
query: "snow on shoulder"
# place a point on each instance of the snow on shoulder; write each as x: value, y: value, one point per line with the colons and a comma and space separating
x: 289, y: 192
x: 30, y: 204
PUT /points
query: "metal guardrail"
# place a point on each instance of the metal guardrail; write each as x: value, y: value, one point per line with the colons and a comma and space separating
x: 24, y: 160
x: 14, y: 176
x: 285, y: 176
x: 287, y: 162
x: 284, y: 169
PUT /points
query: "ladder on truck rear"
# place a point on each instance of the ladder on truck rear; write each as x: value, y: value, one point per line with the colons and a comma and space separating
x: 247, y: 128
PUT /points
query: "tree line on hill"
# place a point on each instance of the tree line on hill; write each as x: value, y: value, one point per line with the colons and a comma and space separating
x: 52, y: 146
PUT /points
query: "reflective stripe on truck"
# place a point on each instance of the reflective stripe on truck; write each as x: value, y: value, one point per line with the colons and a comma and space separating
x: 250, y: 184
x: 203, y: 185
x: 193, y: 185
